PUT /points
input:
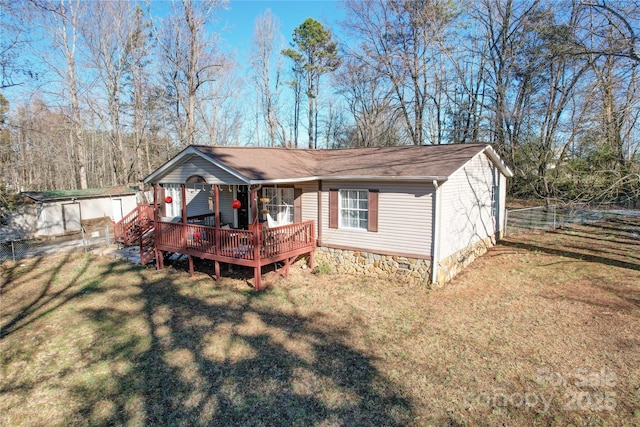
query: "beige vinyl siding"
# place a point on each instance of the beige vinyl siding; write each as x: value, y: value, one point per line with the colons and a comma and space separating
x: 195, y: 165
x: 226, y: 197
x: 198, y: 200
x: 404, y: 219
x: 466, y: 214
x: 309, y: 201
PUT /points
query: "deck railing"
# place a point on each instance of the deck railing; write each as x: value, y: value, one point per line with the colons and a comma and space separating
x: 231, y: 243
x: 133, y: 225
x: 286, y: 238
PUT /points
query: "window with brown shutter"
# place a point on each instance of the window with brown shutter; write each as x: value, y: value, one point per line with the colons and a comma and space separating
x: 372, y: 224
x: 297, y: 205
x: 333, y: 208
x: 353, y: 209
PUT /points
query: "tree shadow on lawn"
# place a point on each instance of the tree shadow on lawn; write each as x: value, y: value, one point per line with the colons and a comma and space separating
x: 231, y: 358
x: 572, y: 251
x: 582, y: 247
x: 47, y: 298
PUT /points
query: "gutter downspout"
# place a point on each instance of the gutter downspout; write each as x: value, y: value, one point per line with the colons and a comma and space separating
x: 435, y: 250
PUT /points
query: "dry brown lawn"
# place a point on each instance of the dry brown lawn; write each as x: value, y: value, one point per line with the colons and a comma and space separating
x: 542, y: 330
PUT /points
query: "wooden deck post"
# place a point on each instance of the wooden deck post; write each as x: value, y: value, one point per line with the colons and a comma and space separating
x: 216, y: 230
x: 313, y: 247
x: 257, y: 270
x: 190, y: 266
x: 156, y: 230
x: 183, y: 196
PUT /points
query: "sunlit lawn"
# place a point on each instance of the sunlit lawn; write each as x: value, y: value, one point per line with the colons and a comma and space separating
x: 543, y: 330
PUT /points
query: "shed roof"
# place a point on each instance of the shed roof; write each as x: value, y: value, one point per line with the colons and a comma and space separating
x: 57, y: 195
x: 261, y: 165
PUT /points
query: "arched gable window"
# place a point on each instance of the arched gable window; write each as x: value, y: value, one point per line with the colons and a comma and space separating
x: 195, y: 179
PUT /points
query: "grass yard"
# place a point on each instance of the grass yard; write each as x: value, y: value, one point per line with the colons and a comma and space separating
x: 542, y: 330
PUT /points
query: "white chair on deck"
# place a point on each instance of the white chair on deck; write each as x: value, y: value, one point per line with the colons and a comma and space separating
x: 283, y: 218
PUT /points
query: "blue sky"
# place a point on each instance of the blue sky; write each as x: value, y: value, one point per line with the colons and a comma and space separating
x: 235, y: 27
x: 241, y: 14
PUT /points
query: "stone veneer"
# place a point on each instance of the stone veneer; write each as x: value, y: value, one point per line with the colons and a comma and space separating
x: 453, y: 264
x: 400, y: 268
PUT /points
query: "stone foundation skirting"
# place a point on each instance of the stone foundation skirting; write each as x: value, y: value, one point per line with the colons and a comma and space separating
x: 398, y: 268
x: 453, y: 264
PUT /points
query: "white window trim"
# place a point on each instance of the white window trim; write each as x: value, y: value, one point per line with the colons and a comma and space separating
x: 343, y: 226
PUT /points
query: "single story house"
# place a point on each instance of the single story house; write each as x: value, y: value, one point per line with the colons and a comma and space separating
x: 421, y: 212
x: 57, y: 212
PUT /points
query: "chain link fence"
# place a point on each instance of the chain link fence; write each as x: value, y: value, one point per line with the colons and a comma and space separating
x: 87, y: 239
x: 550, y: 217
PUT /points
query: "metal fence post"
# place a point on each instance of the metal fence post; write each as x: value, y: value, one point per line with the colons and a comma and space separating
x: 106, y: 234
x: 506, y: 221
x: 13, y: 252
x: 84, y: 243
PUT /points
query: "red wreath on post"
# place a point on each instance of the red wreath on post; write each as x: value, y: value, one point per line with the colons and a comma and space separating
x: 236, y: 204
x: 168, y: 199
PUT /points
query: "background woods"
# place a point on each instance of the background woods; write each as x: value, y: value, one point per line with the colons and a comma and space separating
x: 100, y: 93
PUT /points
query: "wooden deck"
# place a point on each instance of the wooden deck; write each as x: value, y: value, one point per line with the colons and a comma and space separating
x: 251, y: 248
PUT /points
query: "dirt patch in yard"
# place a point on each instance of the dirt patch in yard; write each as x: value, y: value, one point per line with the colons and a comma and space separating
x: 542, y: 330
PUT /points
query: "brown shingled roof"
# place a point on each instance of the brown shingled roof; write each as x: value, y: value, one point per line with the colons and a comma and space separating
x: 260, y: 163
x: 263, y: 164
x: 400, y: 161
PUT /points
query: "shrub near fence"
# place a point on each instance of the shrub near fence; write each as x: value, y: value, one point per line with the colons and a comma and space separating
x: 86, y: 239
x: 542, y: 218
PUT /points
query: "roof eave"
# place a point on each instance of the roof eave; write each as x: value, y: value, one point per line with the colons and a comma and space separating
x: 350, y: 178
x: 497, y: 160
x: 79, y: 197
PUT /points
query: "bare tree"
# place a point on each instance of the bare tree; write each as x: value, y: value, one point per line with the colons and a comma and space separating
x: 222, y: 111
x: 611, y: 29
x: 139, y: 49
x: 267, y: 69
x: 400, y: 41
x: 14, y: 68
x: 107, y: 34
x: 296, y: 87
x: 61, y: 21
x: 370, y: 102
x: 189, y: 61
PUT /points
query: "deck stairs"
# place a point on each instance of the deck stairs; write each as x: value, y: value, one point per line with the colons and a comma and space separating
x: 137, y: 228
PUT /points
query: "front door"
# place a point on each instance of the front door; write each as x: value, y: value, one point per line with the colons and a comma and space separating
x: 243, y: 213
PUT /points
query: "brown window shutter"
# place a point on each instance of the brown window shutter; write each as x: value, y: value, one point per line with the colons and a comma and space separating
x: 373, y: 211
x: 333, y: 208
x: 297, y: 205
